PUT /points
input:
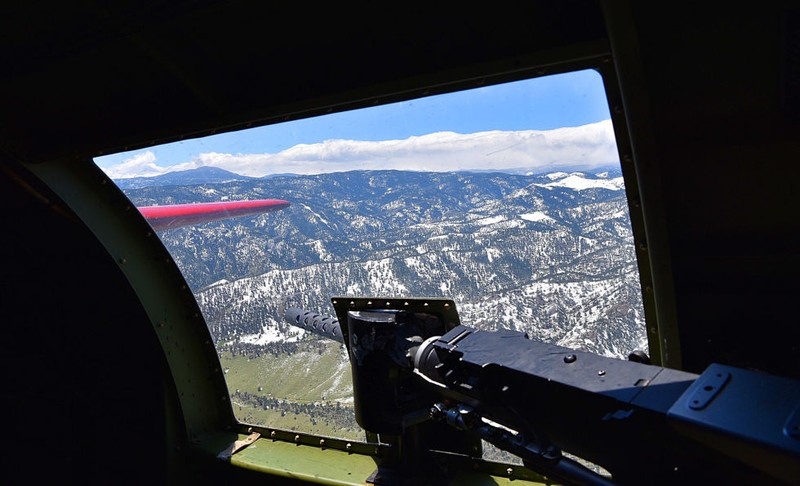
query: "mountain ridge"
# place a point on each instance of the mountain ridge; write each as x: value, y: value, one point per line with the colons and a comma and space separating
x: 514, y: 251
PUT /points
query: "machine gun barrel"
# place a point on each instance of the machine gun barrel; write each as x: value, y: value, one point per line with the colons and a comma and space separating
x: 324, y: 326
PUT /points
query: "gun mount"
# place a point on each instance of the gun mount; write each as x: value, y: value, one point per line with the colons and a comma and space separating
x: 416, y: 369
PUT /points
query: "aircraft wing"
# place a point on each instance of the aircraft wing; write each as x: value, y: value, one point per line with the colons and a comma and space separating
x: 180, y: 215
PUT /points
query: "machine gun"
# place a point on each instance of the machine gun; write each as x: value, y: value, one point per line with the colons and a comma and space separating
x: 421, y: 378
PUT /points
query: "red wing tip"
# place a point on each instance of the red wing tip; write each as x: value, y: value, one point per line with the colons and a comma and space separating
x: 178, y: 215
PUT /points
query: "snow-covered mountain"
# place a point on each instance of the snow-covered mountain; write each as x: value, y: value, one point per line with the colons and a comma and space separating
x: 551, y: 254
x: 201, y: 175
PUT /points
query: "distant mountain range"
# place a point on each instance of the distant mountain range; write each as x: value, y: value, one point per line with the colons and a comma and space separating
x: 550, y: 254
x: 201, y: 175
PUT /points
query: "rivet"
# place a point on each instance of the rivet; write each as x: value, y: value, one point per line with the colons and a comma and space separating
x: 601, y: 372
x: 570, y: 358
x: 322, y: 442
x: 510, y: 471
x: 273, y: 434
x: 297, y: 438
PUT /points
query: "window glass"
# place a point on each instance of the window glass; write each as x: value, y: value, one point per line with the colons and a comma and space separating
x: 508, y: 199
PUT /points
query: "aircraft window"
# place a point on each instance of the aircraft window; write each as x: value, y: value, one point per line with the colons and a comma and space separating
x: 507, y: 199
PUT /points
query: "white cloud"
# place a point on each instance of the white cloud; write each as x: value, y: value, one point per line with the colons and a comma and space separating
x: 140, y: 165
x: 586, y: 146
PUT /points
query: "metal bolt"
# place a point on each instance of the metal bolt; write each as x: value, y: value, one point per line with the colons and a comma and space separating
x: 273, y: 434
x: 510, y: 471
x: 349, y: 446
x: 570, y: 358
x: 601, y: 372
x: 322, y: 442
x: 297, y: 438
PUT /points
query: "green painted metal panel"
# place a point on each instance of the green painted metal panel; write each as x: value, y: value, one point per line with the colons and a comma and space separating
x: 319, y: 465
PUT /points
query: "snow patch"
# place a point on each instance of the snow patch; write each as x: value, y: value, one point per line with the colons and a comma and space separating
x: 579, y: 183
x: 316, y: 214
x: 492, y: 220
x: 536, y: 217
x: 553, y: 176
x: 272, y: 335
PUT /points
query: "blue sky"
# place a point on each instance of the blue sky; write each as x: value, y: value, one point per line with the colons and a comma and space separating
x: 540, y: 104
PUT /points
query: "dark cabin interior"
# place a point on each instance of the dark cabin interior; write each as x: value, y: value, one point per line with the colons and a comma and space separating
x: 705, y: 100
